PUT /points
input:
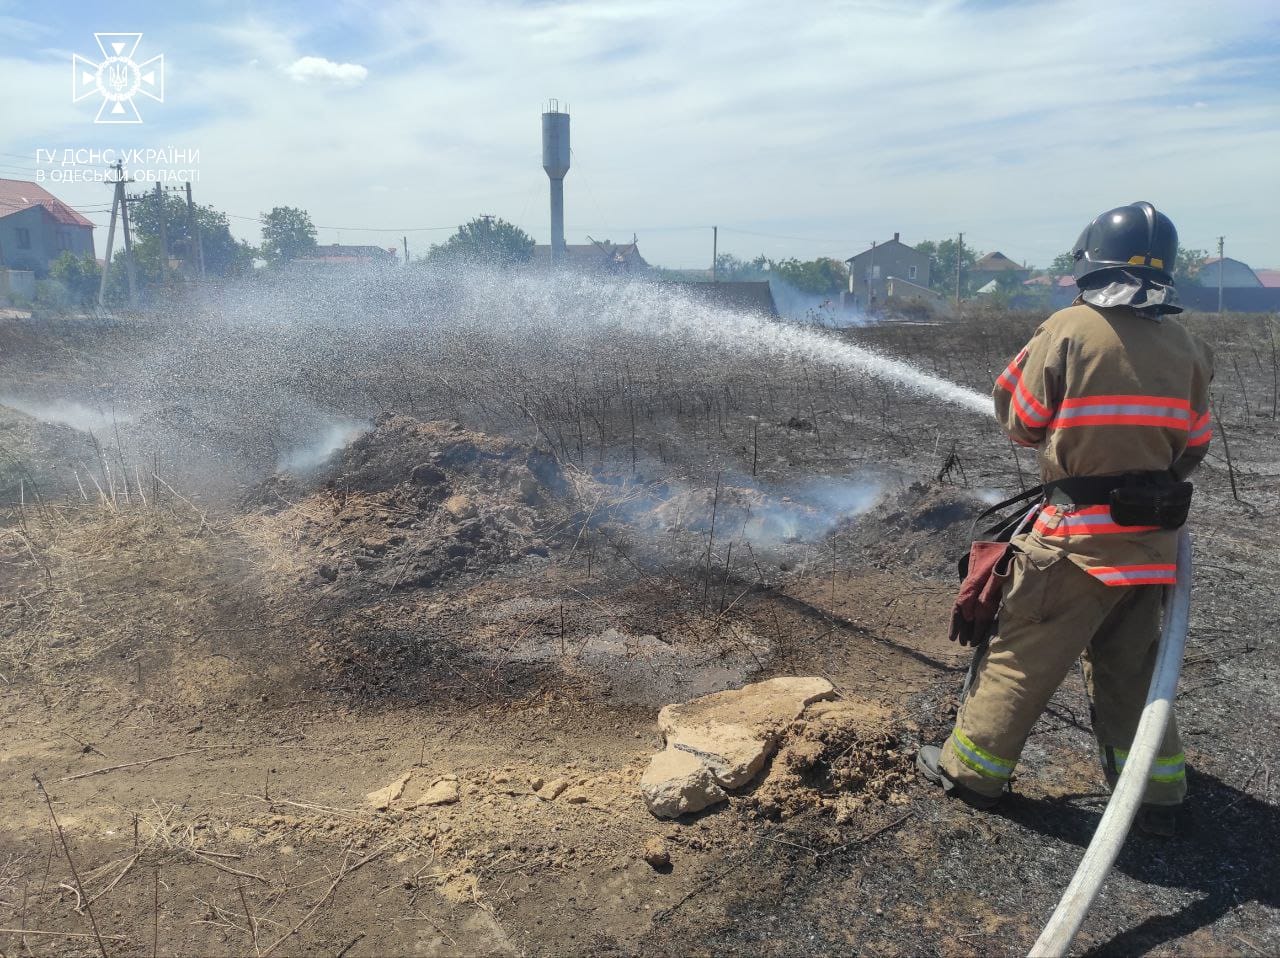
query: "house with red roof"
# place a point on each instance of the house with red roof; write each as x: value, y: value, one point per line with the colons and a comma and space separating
x: 36, y: 228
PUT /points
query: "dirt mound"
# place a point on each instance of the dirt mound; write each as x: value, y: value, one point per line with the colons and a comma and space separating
x: 41, y: 454
x: 926, y: 528
x: 410, y: 503
x: 839, y: 758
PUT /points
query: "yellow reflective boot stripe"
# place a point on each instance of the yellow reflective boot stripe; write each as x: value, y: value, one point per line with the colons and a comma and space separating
x: 1171, y: 768
x: 1167, y: 768
x: 978, y: 759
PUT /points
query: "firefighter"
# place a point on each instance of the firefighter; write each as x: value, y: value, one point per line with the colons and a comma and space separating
x: 1114, y: 398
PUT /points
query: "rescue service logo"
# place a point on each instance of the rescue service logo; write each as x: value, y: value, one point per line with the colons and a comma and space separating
x: 118, y: 78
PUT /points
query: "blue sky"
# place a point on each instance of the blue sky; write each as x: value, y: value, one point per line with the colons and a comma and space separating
x: 800, y: 129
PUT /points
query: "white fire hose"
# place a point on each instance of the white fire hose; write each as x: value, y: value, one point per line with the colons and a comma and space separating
x: 1127, y: 796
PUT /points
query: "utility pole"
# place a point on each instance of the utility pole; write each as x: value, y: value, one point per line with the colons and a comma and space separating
x: 162, y: 210
x: 128, y: 249
x: 405, y: 240
x: 871, y: 277
x: 959, y: 255
x: 715, y: 247
x: 194, y: 231
x: 111, y: 231
x: 1221, y: 240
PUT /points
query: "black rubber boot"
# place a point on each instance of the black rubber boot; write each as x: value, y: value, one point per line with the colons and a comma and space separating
x: 1158, y: 820
x: 928, y: 763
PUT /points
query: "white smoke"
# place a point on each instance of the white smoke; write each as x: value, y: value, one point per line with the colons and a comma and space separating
x: 67, y: 412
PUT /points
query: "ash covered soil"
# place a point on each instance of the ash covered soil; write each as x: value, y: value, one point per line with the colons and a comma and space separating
x: 397, y: 699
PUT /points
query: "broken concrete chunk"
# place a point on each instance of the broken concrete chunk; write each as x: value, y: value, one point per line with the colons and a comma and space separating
x: 733, y: 733
x: 678, y: 783
x: 767, y: 705
x: 381, y: 799
x: 552, y: 789
x: 443, y: 792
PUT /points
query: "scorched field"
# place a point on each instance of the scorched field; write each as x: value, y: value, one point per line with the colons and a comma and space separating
x: 338, y: 622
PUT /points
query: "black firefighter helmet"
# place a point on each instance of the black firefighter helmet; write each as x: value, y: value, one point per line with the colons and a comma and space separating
x: 1137, y: 238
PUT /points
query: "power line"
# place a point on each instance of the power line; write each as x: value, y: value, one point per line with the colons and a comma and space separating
x: 802, y: 239
x: 361, y: 229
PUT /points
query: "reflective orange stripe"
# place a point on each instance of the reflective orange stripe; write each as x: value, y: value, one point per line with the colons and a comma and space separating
x: 1160, y: 411
x: 1201, y: 431
x: 1033, y: 413
x: 1083, y: 521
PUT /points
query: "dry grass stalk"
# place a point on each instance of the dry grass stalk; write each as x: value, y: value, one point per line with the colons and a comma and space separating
x: 71, y: 862
x: 60, y: 934
x: 343, y: 872
x: 143, y: 762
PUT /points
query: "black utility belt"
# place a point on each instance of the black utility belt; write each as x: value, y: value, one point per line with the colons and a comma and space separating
x: 1135, y: 498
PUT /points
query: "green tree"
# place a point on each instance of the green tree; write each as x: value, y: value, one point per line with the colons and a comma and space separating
x: 223, y: 254
x: 485, y: 239
x: 731, y: 269
x: 287, y: 233
x: 78, y: 278
x: 943, y: 259
x: 150, y: 273
x: 1063, y: 264
x: 819, y: 277
x: 1187, y: 266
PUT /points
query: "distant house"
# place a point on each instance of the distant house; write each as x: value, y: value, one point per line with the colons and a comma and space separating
x: 871, y: 270
x: 1243, y: 290
x: 345, y: 257
x: 36, y: 228
x: 597, y: 256
x: 994, y: 266
x: 1235, y: 274
x: 1061, y: 290
x: 1242, y: 297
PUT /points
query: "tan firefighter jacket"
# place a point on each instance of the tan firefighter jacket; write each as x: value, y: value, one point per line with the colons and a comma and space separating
x: 1105, y: 391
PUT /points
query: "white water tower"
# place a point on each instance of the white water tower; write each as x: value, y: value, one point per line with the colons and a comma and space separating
x: 555, y: 160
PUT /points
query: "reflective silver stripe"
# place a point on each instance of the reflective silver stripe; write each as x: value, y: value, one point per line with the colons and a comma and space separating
x: 1204, y: 430
x: 980, y: 761
x: 1143, y: 575
x: 1027, y: 412
x: 1126, y: 409
x: 1095, y: 519
x: 1167, y: 768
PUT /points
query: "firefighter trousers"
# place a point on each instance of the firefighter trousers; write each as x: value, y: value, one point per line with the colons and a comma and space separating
x: 1054, y: 613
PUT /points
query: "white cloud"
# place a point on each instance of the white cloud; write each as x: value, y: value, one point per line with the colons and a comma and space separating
x: 318, y: 69
x: 842, y: 122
